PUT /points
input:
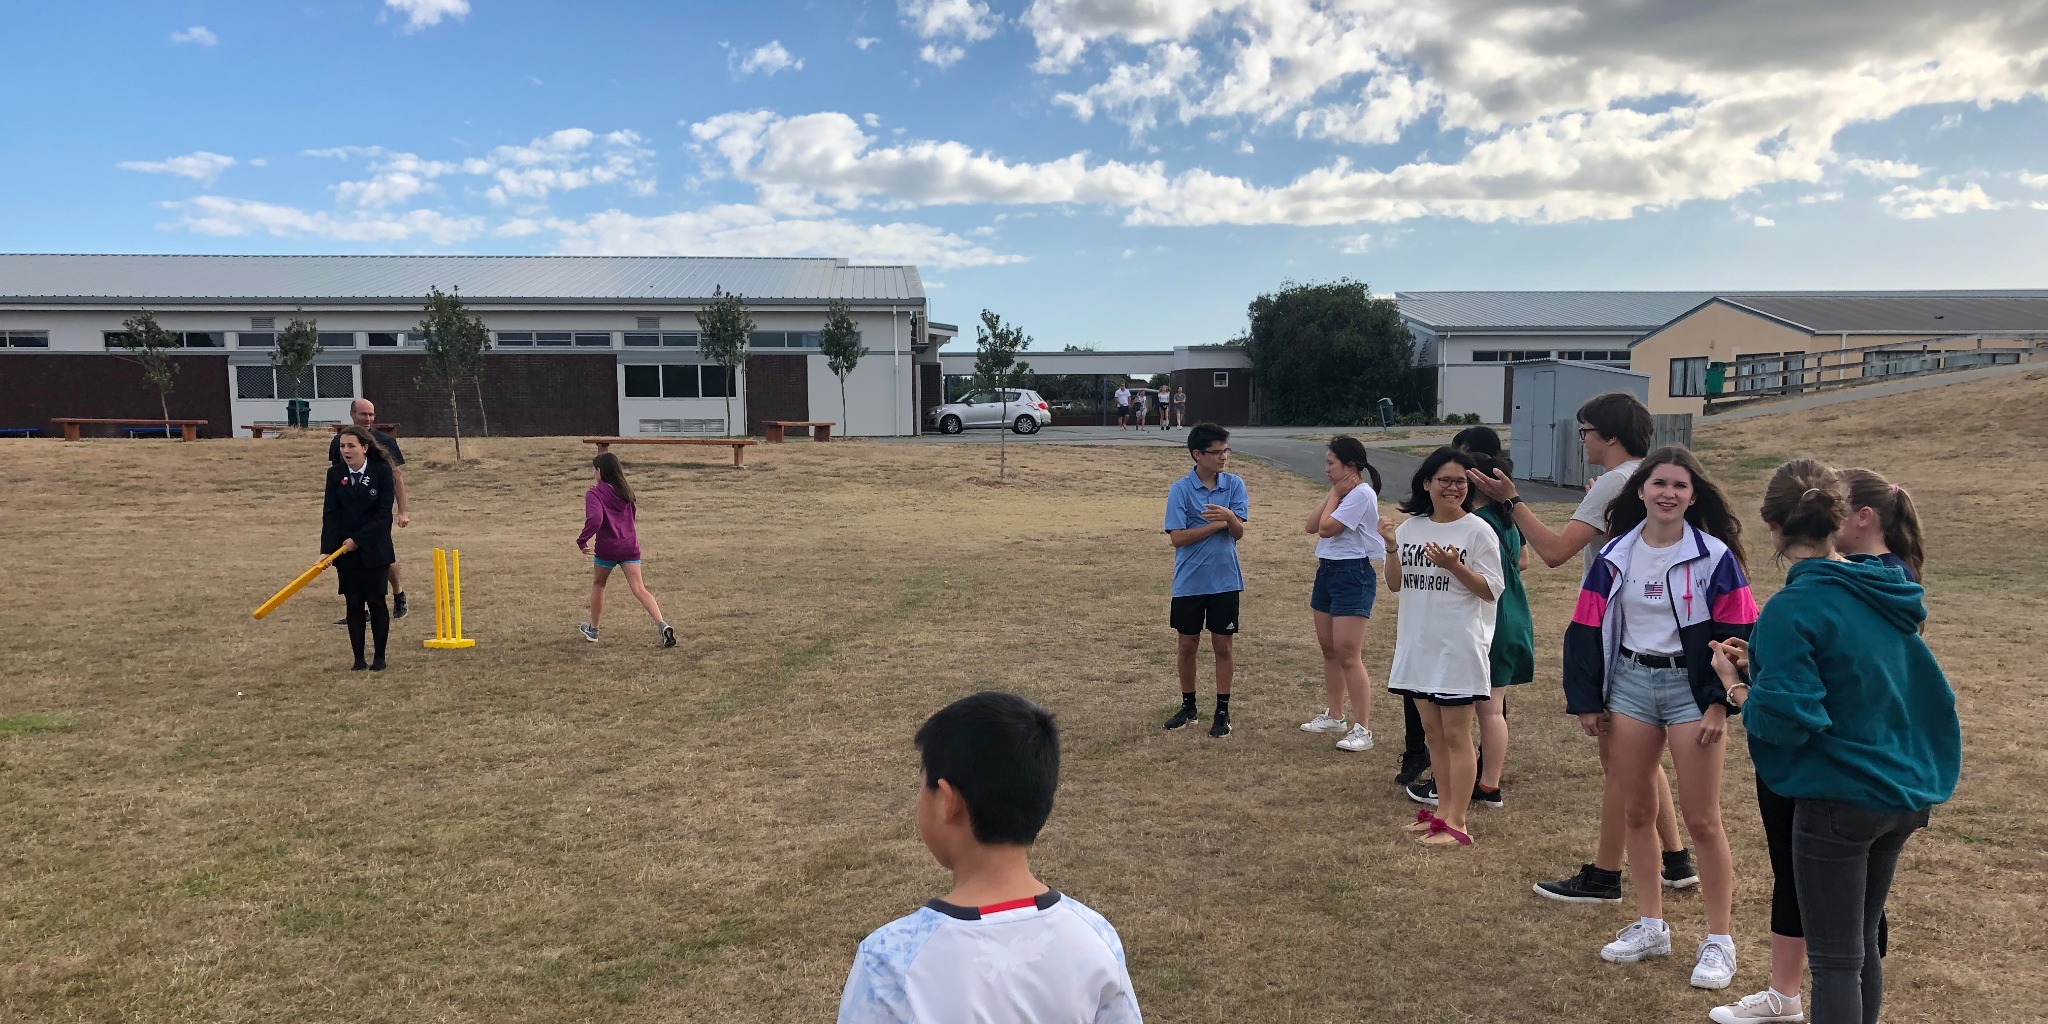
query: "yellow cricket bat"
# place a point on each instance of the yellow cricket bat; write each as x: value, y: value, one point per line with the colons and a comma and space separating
x: 295, y: 586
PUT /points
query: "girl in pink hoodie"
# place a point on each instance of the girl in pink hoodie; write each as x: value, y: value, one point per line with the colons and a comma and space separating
x: 608, y: 516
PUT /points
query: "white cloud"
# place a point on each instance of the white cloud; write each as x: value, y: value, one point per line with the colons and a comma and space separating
x: 1908, y: 203
x: 871, y: 120
x: 1819, y: 197
x: 201, y: 166
x: 421, y: 14
x: 768, y: 60
x: 198, y: 34
x: 948, y: 26
x: 1762, y: 221
x: 565, y: 160
x: 518, y: 227
x: 235, y: 218
x: 1244, y: 147
x: 744, y: 230
x: 1136, y: 94
x: 1884, y: 169
x: 1355, y: 245
x: 260, y: 162
x: 863, y: 42
x: 2033, y: 180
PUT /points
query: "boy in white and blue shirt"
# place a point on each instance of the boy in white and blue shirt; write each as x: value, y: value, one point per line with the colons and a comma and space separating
x: 1205, y: 515
x: 1001, y: 946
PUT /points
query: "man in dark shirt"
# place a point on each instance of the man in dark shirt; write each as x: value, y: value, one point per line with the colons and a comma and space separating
x: 364, y: 413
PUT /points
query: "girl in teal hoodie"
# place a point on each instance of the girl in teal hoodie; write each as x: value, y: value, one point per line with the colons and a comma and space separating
x: 1850, y: 716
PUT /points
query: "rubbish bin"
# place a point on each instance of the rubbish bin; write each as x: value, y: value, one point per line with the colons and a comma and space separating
x: 298, y: 412
x: 1717, y: 377
x: 1386, y: 412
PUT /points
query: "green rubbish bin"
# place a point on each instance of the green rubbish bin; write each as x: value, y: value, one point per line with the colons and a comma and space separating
x: 298, y: 412
x: 1386, y: 413
x: 1717, y: 377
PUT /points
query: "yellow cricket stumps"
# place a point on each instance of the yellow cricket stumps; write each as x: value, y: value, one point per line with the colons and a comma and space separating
x: 448, y: 602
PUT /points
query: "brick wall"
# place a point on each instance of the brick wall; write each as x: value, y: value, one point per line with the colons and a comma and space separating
x: 36, y: 387
x: 556, y: 394
x: 778, y: 388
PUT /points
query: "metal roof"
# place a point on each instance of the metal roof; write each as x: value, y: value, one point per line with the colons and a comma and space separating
x: 1610, y: 311
x: 578, y: 279
x: 1950, y: 313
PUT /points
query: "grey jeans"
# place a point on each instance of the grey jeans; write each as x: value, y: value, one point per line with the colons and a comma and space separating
x: 1843, y: 858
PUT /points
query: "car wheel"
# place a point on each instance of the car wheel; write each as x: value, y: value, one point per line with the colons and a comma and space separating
x: 1026, y: 425
x: 949, y: 425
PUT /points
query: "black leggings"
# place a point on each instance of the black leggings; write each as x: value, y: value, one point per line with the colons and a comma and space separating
x: 1785, y: 920
x: 362, y: 607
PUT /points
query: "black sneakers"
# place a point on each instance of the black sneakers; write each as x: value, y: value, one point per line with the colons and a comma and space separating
x: 1221, y: 726
x: 1678, y: 870
x: 1186, y: 716
x: 1422, y: 792
x: 1494, y: 798
x: 398, y: 606
x: 1590, y: 885
x: 1411, y: 769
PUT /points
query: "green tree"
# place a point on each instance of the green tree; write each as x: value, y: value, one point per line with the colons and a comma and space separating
x: 726, y: 328
x: 841, y: 346
x: 150, y: 347
x: 297, y: 347
x: 456, y: 341
x: 1324, y: 353
x: 997, y: 367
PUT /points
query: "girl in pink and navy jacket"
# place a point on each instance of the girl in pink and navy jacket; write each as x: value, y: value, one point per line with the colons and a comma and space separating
x: 1637, y: 666
x: 608, y: 513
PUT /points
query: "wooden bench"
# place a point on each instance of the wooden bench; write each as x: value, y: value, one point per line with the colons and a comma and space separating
x: 258, y: 429
x: 188, y: 429
x: 388, y: 428
x: 737, y: 444
x: 821, y: 430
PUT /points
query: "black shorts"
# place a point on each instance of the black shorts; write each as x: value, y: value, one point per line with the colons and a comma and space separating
x: 1216, y: 611
x: 1442, y: 700
x: 1123, y: 410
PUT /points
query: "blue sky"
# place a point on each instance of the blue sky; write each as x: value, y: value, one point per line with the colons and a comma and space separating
x: 1122, y: 173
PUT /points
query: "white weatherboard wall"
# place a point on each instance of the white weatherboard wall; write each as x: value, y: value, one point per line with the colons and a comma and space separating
x: 879, y: 388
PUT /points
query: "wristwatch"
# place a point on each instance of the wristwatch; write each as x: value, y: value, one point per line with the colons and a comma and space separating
x: 1507, y: 507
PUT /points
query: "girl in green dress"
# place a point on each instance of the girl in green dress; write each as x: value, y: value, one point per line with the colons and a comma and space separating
x: 1513, y: 657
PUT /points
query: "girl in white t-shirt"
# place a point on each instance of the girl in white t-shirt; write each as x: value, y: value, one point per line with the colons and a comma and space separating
x: 1448, y: 575
x: 1346, y: 527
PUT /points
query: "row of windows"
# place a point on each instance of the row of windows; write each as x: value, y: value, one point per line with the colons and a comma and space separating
x: 1592, y: 355
x: 275, y: 382
x: 24, y: 339
x: 555, y: 339
x: 677, y: 380
x: 397, y: 339
x: 260, y: 339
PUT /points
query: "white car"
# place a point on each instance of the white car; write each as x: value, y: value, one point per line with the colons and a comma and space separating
x: 1020, y: 410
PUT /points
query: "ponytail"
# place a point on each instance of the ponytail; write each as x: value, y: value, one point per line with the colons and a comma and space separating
x: 1895, y: 514
x: 1806, y: 501
x: 1351, y: 452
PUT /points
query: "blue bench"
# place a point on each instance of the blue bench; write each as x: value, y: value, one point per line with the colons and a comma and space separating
x: 151, y: 431
x: 21, y: 431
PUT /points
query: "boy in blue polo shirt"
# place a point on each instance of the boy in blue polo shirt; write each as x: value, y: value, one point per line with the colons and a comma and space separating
x: 1205, y: 515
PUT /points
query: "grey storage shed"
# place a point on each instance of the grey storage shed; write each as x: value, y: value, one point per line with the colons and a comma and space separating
x: 1545, y: 395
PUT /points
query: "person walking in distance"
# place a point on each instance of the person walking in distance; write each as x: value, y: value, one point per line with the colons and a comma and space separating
x: 608, y: 516
x: 356, y: 519
x: 1141, y: 408
x: 1123, y: 406
x: 1206, y: 511
x: 1638, y: 669
x: 1180, y: 405
x: 1614, y: 431
x: 1852, y: 720
x: 363, y: 413
x: 1346, y: 527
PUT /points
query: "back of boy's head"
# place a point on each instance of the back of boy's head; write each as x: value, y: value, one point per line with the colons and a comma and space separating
x: 1202, y: 435
x: 1619, y: 417
x: 1478, y: 441
x: 1001, y: 753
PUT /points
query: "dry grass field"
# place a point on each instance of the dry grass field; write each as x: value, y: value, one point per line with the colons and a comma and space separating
x: 206, y: 818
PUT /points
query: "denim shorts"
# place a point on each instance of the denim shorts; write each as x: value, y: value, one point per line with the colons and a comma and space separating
x: 606, y: 563
x: 1654, y: 696
x: 1344, y: 586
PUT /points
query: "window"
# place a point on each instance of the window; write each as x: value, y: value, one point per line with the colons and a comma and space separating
x: 263, y: 323
x: 784, y: 339
x: 1689, y: 377
x: 647, y: 323
x: 386, y: 339
x: 1221, y: 379
x: 766, y: 339
x: 331, y: 381
x: 553, y: 338
x: 667, y: 340
x: 557, y: 339
x: 337, y: 339
x: 1507, y: 355
x: 256, y: 339
x: 594, y: 339
x: 675, y: 380
x: 24, y: 339
x: 1594, y: 355
x: 179, y: 339
x: 334, y: 382
x: 524, y: 338
x: 255, y: 382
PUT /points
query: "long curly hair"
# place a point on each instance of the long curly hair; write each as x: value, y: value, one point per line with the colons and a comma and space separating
x: 1709, y: 512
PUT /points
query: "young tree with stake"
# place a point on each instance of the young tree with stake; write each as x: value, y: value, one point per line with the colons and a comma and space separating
x: 726, y: 328
x: 456, y: 341
x: 297, y: 347
x: 996, y: 366
x: 842, y: 349
x: 151, y: 347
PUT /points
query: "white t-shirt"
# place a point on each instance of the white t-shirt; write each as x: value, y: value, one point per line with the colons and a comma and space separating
x: 1445, y: 632
x: 1360, y: 514
x: 1048, y: 960
x: 1123, y: 396
x: 1649, y: 623
x: 1592, y: 509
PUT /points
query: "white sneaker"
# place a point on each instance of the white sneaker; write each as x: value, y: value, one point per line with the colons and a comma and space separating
x: 1765, y: 1006
x: 1636, y: 943
x: 1359, y: 738
x: 1322, y: 722
x: 1716, y: 968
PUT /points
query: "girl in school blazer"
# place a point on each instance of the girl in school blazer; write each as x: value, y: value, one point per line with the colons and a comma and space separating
x: 357, y: 519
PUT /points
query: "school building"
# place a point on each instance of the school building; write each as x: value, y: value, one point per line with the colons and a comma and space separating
x: 596, y: 345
